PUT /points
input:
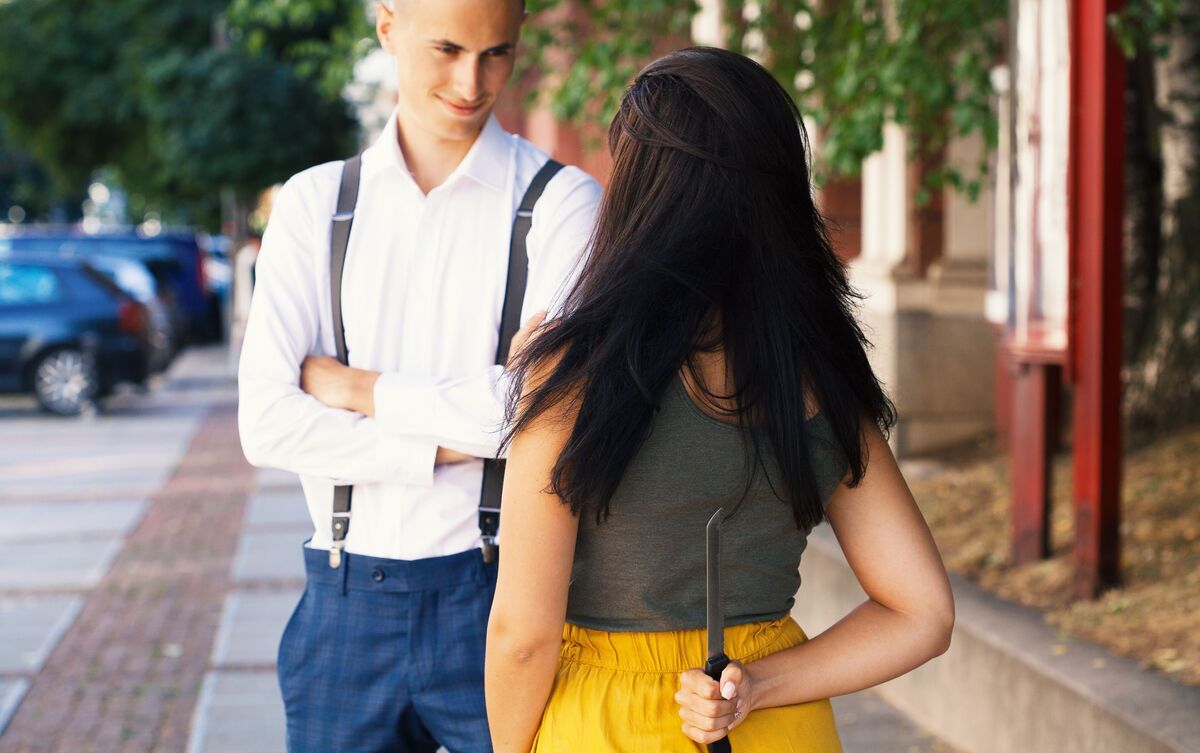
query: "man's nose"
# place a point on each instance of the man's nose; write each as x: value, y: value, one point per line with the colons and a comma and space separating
x: 467, y: 77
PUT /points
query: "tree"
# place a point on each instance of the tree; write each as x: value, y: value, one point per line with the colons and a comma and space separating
x: 28, y: 191
x: 1162, y: 39
x: 183, y: 101
x: 854, y: 65
x: 851, y: 65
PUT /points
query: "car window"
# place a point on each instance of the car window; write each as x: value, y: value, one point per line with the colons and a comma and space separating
x: 22, y: 284
x: 130, y: 276
x: 89, y: 286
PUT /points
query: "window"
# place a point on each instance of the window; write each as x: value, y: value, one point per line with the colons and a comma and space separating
x: 22, y: 284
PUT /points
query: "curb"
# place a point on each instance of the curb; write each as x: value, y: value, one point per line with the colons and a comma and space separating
x: 1006, y: 685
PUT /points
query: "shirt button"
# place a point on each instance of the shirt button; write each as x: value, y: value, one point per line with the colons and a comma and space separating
x: 377, y: 575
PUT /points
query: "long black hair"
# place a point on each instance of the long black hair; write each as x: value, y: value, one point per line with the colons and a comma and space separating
x: 707, y: 239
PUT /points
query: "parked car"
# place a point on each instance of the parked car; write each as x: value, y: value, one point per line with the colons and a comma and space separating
x: 68, y: 334
x: 135, y: 279
x: 175, y: 259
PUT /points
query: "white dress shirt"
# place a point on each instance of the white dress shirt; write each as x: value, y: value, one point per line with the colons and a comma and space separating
x: 422, y: 293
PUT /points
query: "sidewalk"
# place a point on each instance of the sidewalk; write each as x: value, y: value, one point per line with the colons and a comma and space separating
x: 147, y: 572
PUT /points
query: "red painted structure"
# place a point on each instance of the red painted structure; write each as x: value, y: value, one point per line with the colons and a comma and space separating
x: 1037, y: 363
x: 1096, y: 185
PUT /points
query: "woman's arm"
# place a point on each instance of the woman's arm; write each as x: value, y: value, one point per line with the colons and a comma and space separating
x: 525, y: 628
x: 905, y: 621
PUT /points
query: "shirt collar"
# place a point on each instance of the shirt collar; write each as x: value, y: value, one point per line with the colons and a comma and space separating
x: 487, y: 161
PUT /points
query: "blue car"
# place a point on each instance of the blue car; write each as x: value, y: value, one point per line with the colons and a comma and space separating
x: 68, y: 334
x: 175, y: 259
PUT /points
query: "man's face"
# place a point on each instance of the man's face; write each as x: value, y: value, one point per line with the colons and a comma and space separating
x: 453, y: 58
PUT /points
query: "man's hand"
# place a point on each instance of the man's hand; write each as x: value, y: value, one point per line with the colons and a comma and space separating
x: 339, y: 386
x: 352, y: 389
x: 446, y: 456
x: 522, y: 336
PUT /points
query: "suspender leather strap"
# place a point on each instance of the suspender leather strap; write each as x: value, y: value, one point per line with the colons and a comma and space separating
x: 510, y: 322
x: 338, y: 242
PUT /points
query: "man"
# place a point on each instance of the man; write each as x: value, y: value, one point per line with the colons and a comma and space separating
x: 385, y: 649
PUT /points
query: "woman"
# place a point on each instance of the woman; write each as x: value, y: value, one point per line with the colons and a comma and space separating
x: 707, y: 357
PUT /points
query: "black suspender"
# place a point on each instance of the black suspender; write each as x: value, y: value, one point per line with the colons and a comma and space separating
x: 343, y: 218
x: 510, y: 322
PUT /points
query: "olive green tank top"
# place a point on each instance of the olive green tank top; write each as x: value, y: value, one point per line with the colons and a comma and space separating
x: 643, y: 568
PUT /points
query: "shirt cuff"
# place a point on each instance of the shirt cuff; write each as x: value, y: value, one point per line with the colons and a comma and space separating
x: 404, y: 405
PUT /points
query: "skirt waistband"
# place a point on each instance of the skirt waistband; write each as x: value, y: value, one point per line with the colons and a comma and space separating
x: 676, y: 650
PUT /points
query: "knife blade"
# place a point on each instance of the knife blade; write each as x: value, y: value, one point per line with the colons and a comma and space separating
x: 717, y: 660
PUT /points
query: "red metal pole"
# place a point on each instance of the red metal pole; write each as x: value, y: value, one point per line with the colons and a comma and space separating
x: 1035, y: 386
x: 1095, y: 223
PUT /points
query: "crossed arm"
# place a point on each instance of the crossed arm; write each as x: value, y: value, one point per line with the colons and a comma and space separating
x: 310, y: 415
x: 347, y: 388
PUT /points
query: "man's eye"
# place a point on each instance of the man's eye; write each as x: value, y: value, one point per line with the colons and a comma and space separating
x: 447, y: 50
x: 497, y: 53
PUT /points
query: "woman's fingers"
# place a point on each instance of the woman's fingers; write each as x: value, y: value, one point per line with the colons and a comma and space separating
x: 731, y: 680
x: 696, y: 682
x: 706, y: 715
x: 709, y: 723
x: 702, y: 736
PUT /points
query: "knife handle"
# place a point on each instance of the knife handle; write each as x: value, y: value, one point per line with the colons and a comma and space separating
x: 713, y: 668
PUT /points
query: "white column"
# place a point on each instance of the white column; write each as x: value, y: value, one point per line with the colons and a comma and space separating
x: 884, y: 219
x: 706, y: 24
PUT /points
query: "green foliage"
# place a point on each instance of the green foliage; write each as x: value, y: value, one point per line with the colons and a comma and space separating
x: 24, y: 184
x: 606, y: 43
x: 1144, y: 22
x: 182, y: 100
x: 852, y: 66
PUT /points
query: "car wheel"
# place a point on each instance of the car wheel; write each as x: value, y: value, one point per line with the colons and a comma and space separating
x: 65, y: 382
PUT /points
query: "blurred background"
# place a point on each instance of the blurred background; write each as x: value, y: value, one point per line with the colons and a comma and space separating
x: 1014, y: 186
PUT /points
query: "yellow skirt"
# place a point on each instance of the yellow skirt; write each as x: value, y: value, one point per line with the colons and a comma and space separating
x: 615, y: 693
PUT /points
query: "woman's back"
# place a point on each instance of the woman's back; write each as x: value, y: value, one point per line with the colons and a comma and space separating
x: 642, y: 568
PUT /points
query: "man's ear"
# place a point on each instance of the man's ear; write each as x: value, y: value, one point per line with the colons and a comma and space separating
x: 385, y: 20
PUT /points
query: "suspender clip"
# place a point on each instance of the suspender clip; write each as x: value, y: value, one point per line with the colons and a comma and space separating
x: 341, y: 525
x: 490, y: 550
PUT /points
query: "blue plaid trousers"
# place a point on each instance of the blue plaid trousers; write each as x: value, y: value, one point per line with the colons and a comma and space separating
x: 386, y: 656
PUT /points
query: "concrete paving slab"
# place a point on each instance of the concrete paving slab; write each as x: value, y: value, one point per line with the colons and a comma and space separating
x: 252, y: 623
x: 11, y: 693
x: 238, y: 712
x: 269, y: 556
x: 35, y: 521
x: 30, y: 566
x: 276, y: 508
x: 30, y: 628
x: 273, y: 477
x: 116, y: 483
x: 868, y: 724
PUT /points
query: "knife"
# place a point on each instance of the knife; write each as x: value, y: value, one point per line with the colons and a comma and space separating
x: 717, y: 660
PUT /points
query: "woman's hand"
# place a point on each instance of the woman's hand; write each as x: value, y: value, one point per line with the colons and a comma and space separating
x: 709, y: 708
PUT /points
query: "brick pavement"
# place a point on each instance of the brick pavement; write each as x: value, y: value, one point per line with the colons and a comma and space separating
x: 126, y: 675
